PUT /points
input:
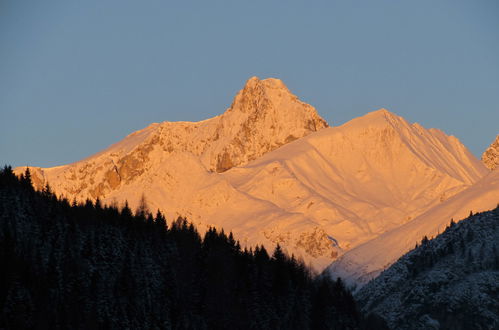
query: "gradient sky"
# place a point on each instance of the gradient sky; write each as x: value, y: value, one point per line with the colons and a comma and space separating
x: 77, y: 76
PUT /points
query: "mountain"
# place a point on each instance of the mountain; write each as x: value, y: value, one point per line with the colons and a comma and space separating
x: 355, y: 182
x: 450, y: 282
x: 263, y: 116
x: 270, y: 170
x: 366, y: 261
x: 490, y: 157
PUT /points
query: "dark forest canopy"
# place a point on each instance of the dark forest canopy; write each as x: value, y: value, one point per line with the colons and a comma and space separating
x: 451, y: 280
x: 88, y: 266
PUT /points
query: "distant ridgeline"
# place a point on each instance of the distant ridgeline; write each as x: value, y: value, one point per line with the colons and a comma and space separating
x: 90, y: 266
x: 449, y: 282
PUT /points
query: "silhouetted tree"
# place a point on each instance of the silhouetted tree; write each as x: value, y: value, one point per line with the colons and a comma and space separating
x: 142, y: 209
x: 26, y: 179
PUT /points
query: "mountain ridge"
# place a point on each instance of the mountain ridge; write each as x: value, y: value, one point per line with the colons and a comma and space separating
x: 365, y: 262
x: 319, y: 193
x: 449, y: 282
x: 242, y: 133
x: 340, y: 197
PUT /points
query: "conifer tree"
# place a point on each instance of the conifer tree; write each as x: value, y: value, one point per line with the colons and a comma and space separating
x: 142, y: 209
x: 26, y: 178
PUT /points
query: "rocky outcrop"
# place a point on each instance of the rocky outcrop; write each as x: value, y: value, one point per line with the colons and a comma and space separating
x: 490, y: 157
x: 263, y: 116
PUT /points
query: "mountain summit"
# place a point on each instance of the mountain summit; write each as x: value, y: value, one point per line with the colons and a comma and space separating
x: 345, y: 185
x: 490, y: 157
x: 264, y: 115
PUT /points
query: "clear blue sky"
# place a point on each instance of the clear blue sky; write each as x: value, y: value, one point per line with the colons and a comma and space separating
x: 77, y: 76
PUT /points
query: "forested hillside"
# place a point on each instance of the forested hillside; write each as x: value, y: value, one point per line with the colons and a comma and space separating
x: 87, y: 266
x: 449, y: 282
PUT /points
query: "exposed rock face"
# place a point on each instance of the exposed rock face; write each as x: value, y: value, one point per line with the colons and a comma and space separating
x: 490, y: 157
x: 263, y: 116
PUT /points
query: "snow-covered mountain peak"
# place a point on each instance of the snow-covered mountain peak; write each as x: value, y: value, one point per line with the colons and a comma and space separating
x: 382, y: 112
x: 264, y: 116
x: 271, y: 97
x: 381, y: 118
x: 269, y: 83
x: 490, y: 157
x: 257, y: 95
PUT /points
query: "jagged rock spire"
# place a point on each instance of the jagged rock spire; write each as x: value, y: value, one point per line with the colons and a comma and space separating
x: 490, y: 157
x: 263, y: 116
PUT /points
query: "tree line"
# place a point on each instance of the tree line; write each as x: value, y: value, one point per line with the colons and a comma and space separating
x: 69, y: 265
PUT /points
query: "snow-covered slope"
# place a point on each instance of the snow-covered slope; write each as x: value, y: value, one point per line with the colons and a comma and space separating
x: 357, y: 181
x: 490, y: 157
x: 320, y: 195
x: 450, y: 282
x: 365, y: 262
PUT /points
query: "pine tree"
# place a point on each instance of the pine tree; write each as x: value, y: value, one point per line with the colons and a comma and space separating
x: 26, y: 179
x: 160, y: 221
x: 278, y: 254
x: 126, y: 212
x: 142, y: 209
